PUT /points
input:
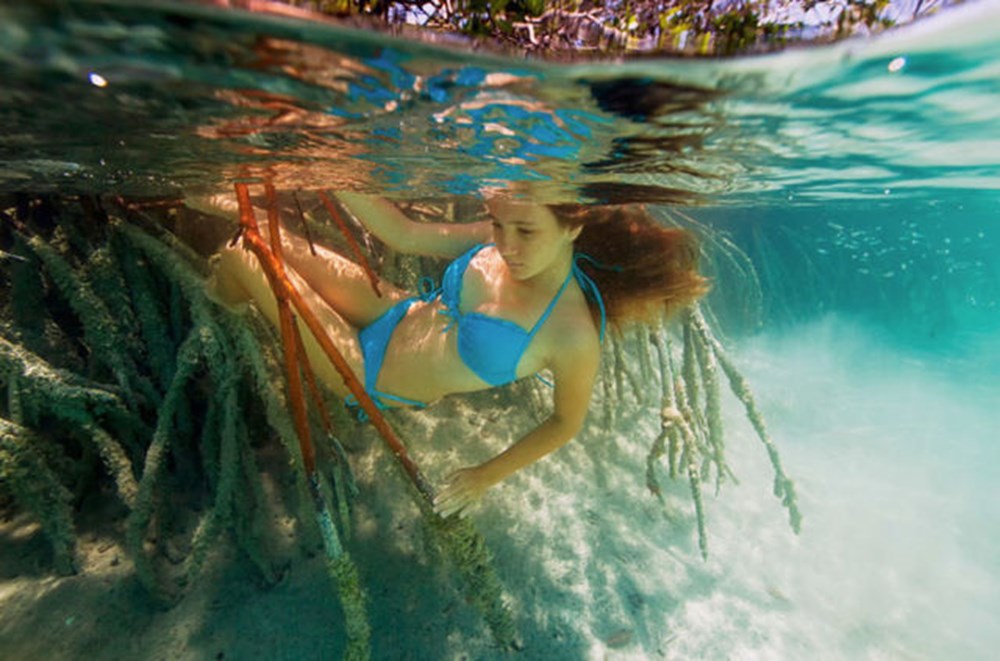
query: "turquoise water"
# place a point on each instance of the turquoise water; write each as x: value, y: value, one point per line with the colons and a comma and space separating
x: 863, y: 181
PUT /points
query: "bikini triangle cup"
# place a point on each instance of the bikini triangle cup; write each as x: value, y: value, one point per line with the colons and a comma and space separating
x: 492, y: 366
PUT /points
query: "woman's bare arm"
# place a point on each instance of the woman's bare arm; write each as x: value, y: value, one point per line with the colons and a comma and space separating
x: 575, y: 369
x: 402, y: 234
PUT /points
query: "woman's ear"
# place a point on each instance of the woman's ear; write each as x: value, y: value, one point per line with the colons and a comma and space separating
x: 575, y: 232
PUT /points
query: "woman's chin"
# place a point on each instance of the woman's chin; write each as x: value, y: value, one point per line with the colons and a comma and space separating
x: 519, y: 273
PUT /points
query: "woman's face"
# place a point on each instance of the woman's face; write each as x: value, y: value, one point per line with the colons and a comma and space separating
x: 529, y: 238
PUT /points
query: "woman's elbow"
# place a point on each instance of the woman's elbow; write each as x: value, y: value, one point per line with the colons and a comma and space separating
x: 565, y: 428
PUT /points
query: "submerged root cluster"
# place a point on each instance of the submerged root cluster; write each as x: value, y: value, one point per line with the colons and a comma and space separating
x: 693, y: 428
x: 113, y: 362
x: 691, y: 439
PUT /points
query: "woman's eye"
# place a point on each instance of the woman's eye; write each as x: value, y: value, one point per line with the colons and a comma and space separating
x: 524, y: 232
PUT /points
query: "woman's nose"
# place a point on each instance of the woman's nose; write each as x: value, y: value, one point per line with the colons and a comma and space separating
x: 504, y: 244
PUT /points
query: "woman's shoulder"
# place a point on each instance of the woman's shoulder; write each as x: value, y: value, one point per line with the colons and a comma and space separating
x: 572, y: 324
x: 573, y: 342
x: 478, y: 252
x: 482, y: 258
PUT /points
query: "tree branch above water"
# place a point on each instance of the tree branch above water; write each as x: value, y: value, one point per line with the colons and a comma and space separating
x: 598, y: 28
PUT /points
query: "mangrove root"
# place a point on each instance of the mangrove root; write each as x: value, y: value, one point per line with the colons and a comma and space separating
x: 691, y: 431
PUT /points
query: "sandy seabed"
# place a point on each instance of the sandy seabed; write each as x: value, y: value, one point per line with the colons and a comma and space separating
x: 893, y: 455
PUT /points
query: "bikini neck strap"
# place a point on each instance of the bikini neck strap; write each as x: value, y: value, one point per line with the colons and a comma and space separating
x: 588, y: 285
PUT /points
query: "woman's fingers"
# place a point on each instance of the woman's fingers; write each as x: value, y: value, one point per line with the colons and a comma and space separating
x: 446, y: 508
x: 455, y: 496
x: 449, y: 502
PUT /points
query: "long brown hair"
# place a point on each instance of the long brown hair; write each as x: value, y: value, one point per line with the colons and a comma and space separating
x: 643, y: 270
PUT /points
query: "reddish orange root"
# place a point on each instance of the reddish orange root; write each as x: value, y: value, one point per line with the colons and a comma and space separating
x: 295, y: 358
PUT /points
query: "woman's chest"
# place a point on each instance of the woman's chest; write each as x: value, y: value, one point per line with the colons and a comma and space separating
x: 488, y: 291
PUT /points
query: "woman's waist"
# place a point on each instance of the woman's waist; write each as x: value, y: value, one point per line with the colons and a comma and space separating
x: 421, y: 358
x: 425, y: 377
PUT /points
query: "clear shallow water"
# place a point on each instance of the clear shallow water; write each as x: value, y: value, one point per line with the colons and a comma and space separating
x: 895, y: 453
x: 865, y: 189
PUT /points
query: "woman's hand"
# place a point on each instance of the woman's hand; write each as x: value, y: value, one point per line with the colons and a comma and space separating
x: 574, y: 368
x: 461, y: 489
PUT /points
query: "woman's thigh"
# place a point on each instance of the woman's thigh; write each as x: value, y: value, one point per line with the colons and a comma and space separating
x: 238, y: 277
x: 337, y: 280
x: 340, y: 282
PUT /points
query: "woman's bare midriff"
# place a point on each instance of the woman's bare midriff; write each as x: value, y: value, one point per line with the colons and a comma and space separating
x: 421, y: 361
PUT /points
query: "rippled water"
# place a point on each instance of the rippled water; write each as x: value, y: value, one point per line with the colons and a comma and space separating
x: 862, y: 179
x: 113, y: 96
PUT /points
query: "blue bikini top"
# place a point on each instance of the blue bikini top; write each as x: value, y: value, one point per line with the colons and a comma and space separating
x: 490, y: 346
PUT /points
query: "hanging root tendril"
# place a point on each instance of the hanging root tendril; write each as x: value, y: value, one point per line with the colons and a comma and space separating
x: 652, y: 459
x: 691, y: 430
x: 784, y: 488
x: 339, y: 564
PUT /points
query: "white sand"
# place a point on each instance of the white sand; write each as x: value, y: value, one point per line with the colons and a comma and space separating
x: 893, y: 456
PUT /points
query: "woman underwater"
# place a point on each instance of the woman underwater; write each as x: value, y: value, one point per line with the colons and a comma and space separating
x: 532, y: 289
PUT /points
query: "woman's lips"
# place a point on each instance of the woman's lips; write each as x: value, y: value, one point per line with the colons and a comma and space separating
x: 513, y: 265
